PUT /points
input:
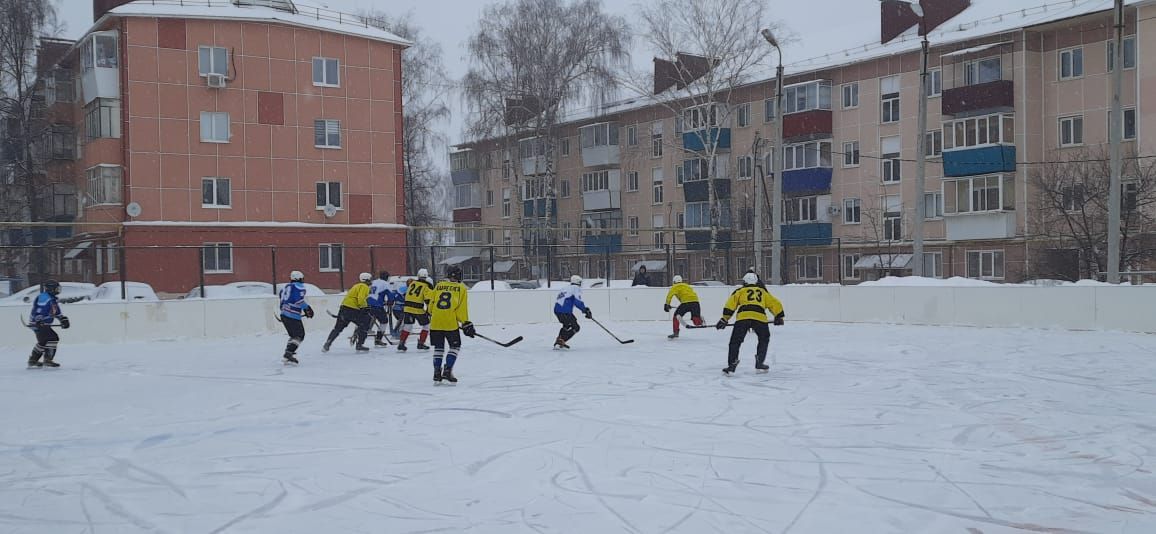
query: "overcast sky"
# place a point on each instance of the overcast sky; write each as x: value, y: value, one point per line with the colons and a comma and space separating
x: 819, y: 26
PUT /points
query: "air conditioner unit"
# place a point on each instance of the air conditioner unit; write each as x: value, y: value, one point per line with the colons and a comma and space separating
x: 832, y: 210
x: 216, y: 81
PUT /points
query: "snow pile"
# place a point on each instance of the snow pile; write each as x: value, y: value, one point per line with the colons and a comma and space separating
x: 918, y: 281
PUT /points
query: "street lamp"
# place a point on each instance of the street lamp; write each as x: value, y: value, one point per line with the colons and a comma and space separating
x: 920, y: 150
x: 776, y: 183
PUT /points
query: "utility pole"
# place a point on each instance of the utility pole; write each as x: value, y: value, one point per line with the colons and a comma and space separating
x: 920, y: 163
x: 1115, y: 137
x: 776, y: 166
x: 758, y: 210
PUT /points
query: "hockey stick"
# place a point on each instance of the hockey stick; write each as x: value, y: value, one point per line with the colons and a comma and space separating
x: 616, y: 338
x: 331, y: 314
x: 507, y: 344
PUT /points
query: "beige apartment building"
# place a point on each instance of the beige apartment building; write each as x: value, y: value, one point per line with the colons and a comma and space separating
x: 1008, y: 93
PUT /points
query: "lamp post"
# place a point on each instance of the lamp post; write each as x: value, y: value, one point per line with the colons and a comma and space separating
x: 920, y: 152
x: 776, y: 182
x: 1115, y: 137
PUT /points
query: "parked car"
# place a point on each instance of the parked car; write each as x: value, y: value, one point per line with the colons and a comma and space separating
x: 310, y: 290
x: 232, y: 290
x: 708, y: 283
x: 523, y: 284
x: 133, y: 291
x: 69, y: 292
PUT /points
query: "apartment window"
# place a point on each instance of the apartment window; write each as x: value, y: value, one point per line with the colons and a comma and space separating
x: 632, y: 136
x: 535, y: 146
x: 656, y: 139
x: 564, y: 187
x: 933, y: 143
x: 983, y: 71
x: 331, y: 257
x: 807, y: 155
x: 104, y: 184
x: 744, y: 115
x: 1072, y: 197
x: 933, y: 264
x: 892, y: 218
x: 62, y: 143
x: 218, y: 258
x: 566, y: 231
x: 985, y: 264
x: 327, y: 133
x: 213, y: 60
x: 61, y: 86
x: 1071, y: 63
x: 746, y: 166
x: 460, y: 161
x: 506, y: 203
x: 64, y: 199
x: 933, y: 205
x: 679, y: 175
x: 328, y: 194
x: 1129, y: 196
x: 1072, y: 130
x: 889, y: 96
x: 680, y: 221
x: 464, y: 196
x: 490, y: 194
x: 565, y: 147
x: 467, y: 233
x: 100, y: 51
x: 601, y: 134
x: 849, y: 271
x: 216, y: 193
x: 934, y: 83
x: 632, y: 224
x: 809, y: 267
x: 806, y: 97
x: 703, y: 116
x: 769, y: 110
x: 214, y: 127
x: 102, y: 118
x: 326, y: 72
x: 850, y: 95
x: 697, y: 215
x: 1129, y: 129
x: 851, y: 211
x: 802, y: 209
x: 658, y: 222
x: 632, y: 181
x: 851, y: 154
x: 977, y: 194
x: 595, y: 181
x: 1129, y: 53
x: 889, y: 161
x: 656, y: 179
x: 992, y: 129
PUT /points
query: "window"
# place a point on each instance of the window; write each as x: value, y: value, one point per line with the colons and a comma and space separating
x: 326, y: 72
x: 744, y: 115
x: 656, y: 139
x: 995, y: 129
x: 467, y: 233
x: 934, y: 83
x: 889, y: 161
x: 1129, y: 53
x: 506, y: 203
x: 892, y: 218
x: 62, y: 142
x: 807, y: 155
x: 851, y: 211
x: 703, y: 116
x: 656, y: 179
x: 1129, y: 130
x: 802, y: 209
x: 464, y: 196
x: 632, y: 136
x: 327, y: 133
x: 809, y: 267
x: 933, y: 264
x: 490, y: 194
x: 218, y: 258
x: 851, y: 95
x: 64, y: 200
x: 746, y: 166
x: 849, y: 271
x: 979, y: 194
x: 632, y: 181
x: 61, y: 86
x: 99, y: 51
x: 983, y: 71
x: 806, y: 97
x: 933, y: 144
x: 1072, y: 197
x: 104, y: 184
x: 330, y: 257
x: 985, y: 264
x: 531, y: 147
x: 1071, y: 63
x: 328, y: 194
x: 889, y: 96
x: 213, y: 60
x: 564, y: 186
x: 697, y: 215
x: 633, y: 226
x: 595, y: 181
x: 565, y: 147
x: 851, y: 154
x: 679, y: 175
x: 566, y: 231
x: 601, y: 134
x: 601, y: 222
x: 102, y: 118
x: 681, y: 221
x: 215, y: 193
x: 769, y: 110
x: 933, y: 205
x: 214, y: 127
x: 1129, y: 196
x: 1072, y: 131
x: 658, y: 222
x: 460, y: 161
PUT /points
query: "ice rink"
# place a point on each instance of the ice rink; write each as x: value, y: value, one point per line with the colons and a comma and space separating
x: 858, y: 428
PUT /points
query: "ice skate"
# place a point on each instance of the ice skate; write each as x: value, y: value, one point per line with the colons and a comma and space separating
x: 437, y: 376
x: 761, y: 368
x: 422, y: 346
x: 380, y: 343
x: 560, y: 344
x: 35, y: 364
x: 730, y: 369
x: 448, y: 375
x: 325, y: 347
x: 51, y: 364
x: 291, y: 360
x: 673, y: 336
x: 362, y: 348
x: 401, y: 347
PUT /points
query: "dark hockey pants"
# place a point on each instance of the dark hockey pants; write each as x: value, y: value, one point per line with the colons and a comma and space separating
x: 296, y: 330
x: 739, y: 333
x: 439, y: 339
x: 347, y: 315
x: 570, y: 326
x: 46, y: 341
x: 382, y: 317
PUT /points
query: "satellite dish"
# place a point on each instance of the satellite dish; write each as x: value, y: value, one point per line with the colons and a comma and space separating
x: 133, y: 209
x: 330, y: 211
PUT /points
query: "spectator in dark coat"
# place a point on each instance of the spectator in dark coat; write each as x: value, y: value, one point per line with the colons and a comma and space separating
x: 641, y: 278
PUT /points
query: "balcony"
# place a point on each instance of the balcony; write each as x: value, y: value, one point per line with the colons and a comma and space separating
x: 984, y: 225
x: 807, y: 181
x: 698, y: 140
x: 534, y: 166
x: 700, y: 240
x: 808, y: 125
x: 602, y: 243
x: 465, y: 176
x: 602, y: 199
x: 537, y: 208
x: 811, y: 234
x: 979, y: 160
x: 699, y: 191
x: 979, y: 98
x: 467, y: 215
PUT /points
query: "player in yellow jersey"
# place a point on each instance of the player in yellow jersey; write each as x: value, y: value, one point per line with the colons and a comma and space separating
x: 354, y: 309
x: 449, y: 310
x: 687, y: 303
x: 750, y: 302
x: 416, y: 310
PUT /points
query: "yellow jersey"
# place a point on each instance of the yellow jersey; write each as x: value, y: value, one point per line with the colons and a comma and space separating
x: 683, y: 292
x: 357, y: 297
x: 751, y: 302
x: 417, y: 296
x: 448, y: 306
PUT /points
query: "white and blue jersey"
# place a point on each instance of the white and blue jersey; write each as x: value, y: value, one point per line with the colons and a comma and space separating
x: 397, y: 296
x: 379, y: 294
x: 44, y: 309
x: 569, y: 297
x: 293, y: 303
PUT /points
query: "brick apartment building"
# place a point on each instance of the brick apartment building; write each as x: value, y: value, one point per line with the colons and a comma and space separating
x: 1006, y: 88
x: 220, y: 125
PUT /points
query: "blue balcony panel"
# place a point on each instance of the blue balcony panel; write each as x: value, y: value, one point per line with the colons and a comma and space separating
x: 465, y: 176
x: 693, y: 141
x: 602, y: 243
x: 807, y: 181
x: 807, y: 234
x: 700, y: 240
x: 982, y: 160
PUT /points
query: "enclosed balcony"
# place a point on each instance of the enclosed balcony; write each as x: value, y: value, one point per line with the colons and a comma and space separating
x: 705, y: 130
x: 99, y: 66
x: 537, y: 207
x: 699, y: 190
x: 807, y: 234
x: 812, y: 181
x: 599, y: 144
x: 467, y: 215
x: 979, y: 145
x: 602, y: 190
x: 997, y: 95
x: 807, y: 125
x: 700, y: 240
x: 464, y: 167
x: 602, y: 243
x: 981, y: 160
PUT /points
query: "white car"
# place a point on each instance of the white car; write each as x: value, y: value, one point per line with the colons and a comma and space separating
x: 109, y: 291
x: 310, y: 290
x: 69, y: 292
x: 233, y: 290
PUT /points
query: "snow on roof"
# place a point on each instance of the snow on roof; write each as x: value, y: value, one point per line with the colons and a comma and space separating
x: 305, y: 16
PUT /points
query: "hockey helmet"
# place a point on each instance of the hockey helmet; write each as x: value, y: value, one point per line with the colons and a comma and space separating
x: 384, y: 275
x: 296, y: 276
x: 51, y: 287
x: 677, y: 279
x: 454, y: 273
x: 576, y: 280
x: 750, y: 279
x: 422, y: 273
x: 365, y: 277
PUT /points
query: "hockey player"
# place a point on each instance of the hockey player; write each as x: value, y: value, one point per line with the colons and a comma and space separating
x: 569, y: 297
x: 293, y: 308
x: 417, y: 297
x: 750, y: 302
x: 354, y: 309
x: 379, y: 297
x: 45, y: 309
x: 687, y: 303
x: 397, y: 293
x: 449, y: 310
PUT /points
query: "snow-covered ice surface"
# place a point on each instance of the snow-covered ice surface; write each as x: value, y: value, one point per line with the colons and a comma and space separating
x: 859, y: 428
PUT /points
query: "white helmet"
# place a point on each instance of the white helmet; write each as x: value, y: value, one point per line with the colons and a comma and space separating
x: 296, y: 276
x: 365, y: 277
x: 750, y: 279
x: 677, y: 279
x: 576, y: 280
x: 422, y: 273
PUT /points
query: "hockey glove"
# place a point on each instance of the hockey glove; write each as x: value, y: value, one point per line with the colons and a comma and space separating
x: 589, y: 314
x: 722, y: 324
x: 666, y: 308
x: 468, y: 329
x: 64, y: 322
x: 308, y: 313
x: 779, y: 319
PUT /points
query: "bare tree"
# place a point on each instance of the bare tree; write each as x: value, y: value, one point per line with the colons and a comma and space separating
x: 1070, y: 211
x: 884, y: 230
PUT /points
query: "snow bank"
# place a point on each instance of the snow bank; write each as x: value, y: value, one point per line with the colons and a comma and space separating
x: 917, y: 281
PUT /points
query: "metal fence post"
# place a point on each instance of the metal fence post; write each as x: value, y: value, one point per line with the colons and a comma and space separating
x: 607, y: 254
x: 549, y: 265
x: 669, y: 264
x: 839, y: 259
x: 433, y: 259
x: 372, y: 262
x: 124, y: 272
x: 341, y: 271
x: 273, y: 271
x: 491, y: 268
x: 201, y: 270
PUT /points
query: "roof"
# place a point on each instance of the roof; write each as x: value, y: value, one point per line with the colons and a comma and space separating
x: 306, y: 16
